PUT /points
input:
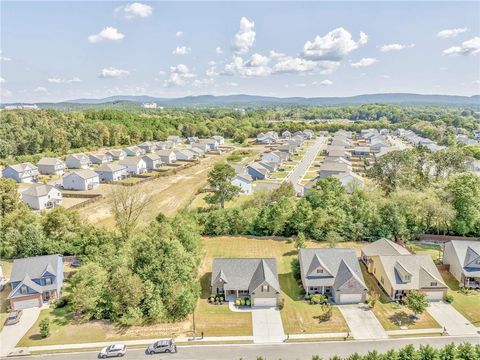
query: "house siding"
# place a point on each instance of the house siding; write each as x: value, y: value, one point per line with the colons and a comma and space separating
x: 259, y: 294
x: 450, y: 258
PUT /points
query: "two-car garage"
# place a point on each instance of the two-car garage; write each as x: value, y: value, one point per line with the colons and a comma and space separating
x: 264, y: 302
x: 435, y: 295
x: 349, y: 298
x: 26, y: 302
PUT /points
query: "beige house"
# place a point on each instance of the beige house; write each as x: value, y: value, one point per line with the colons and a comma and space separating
x: 397, y: 271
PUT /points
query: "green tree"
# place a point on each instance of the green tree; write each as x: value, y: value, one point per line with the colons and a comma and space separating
x: 416, y: 301
x: 45, y: 328
x: 220, y: 181
x: 300, y: 241
x: 426, y: 352
x: 464, y: 190
x: 9, y: 199
x: 466, y: 351
x: 408, y: 353
x: 448, y: 352
x: 301, y: 218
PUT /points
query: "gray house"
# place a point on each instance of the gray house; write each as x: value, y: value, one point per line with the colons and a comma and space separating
x: 167, y: 156
x: 85, y: 179
x: 148, y: 146
x: 254, y: 278
x: 463, y: 256
x: 100, y: 158
x: 111, y: 172
x: 77, y: 161
x: 153, y: 161
x: 51, y: 166
x: 333, y: 272
x: 22, y: 173
x: 134, y: 151
x: 117, y: 154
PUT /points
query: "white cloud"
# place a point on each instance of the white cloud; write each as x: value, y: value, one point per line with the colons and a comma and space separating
x: 5, y: 93
x: 41, y: 89
x: 364, y: 62
x: 301, y: 85
x: 386, y: 76
x: 294, y: 65
x: 4, y: 58
x: 134, y: 10
x: 179, y: 33
x: 109, y: 33
x: 257, y: 65
x: 233, y: 84
x: 245, y: 37
x: 450, y: 33
x: 219, y: 50
x: 476, y: 82
x: 323, y: 83
x: 469, y: 47
x: 181, y: 50
x: 198, y: 83
x: 2, y: 80
x: 335, y: 45
x: 178, y: 75
x: 395, y: 47
x: 57, y: 80
x: 113, y: 73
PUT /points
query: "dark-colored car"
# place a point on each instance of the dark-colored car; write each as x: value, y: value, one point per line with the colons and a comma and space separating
x: 14, y: 317
x: 162, y: 346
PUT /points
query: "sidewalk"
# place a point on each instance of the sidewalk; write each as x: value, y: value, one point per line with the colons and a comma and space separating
x: 407, y: 332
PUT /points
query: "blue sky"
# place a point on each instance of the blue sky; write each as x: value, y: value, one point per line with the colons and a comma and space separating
x: 52, y: 51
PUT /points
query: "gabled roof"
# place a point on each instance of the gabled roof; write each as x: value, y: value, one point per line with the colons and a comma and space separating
x: 165, y: 152
x: 110, y: 168
x: 33, y: 266
x: 152, y: 156
x: 37, y: 190
x: 84, y: 174
x: 23, y: 167
x: 245, y: 274
x: 79, y: 156
x: 384, y: 247
x: 316, y: 263
x: 50, y: 161
x: 131, y: 160
x: 467, y: 251
x: 345, y: 274
x: 116, y: 152
x: 105, y: 156
x: 26, y: 281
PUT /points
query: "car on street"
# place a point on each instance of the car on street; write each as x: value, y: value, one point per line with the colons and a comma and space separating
x: 115, y: 350
x: 162, y: 346
x: 14, y: 317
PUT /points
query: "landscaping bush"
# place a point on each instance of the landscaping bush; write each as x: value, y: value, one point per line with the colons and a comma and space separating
x: 211, y: 299
x: 222, y: 298
x: 296, y: 269
x: 242, y: 302
x: 449, y: 299
x: 307, y: 297
x: 281, y: 303
x: 238, y: 302
x: 318, y: 299
x: 60, y: 303
x: 45, y: 328
x: 247, y: 302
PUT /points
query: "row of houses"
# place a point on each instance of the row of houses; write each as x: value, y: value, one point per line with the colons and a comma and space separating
x: 272, y: 137
x: 335, y: 273
x: 416, y: 140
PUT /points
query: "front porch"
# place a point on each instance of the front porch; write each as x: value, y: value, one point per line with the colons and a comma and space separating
x: 232, y: 295
x: 324, y: 290
x: 48, y: 296
x: 471, y: 282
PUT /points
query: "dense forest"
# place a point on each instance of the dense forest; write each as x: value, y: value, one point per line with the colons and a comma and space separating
x: 27, y: 135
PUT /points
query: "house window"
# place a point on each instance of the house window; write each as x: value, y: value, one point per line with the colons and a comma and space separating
x: 265, y: 288
x: 319, y: 271
x: 23, y: 290
x: 433, y: 283
x: 48, y: 281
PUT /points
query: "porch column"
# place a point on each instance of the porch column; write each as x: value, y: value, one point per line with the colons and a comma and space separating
x: 236, y: 292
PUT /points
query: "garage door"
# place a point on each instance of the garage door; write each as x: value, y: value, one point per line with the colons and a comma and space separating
x: 435, y: 295
x: 25, y: 304
x: 350, y: 298
x: 265, y: 302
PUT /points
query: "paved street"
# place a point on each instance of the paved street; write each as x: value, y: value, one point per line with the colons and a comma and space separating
x: 449, y: 318
x: 288, y: 351
x: 362, y: 322
x: 12, y: 334
x: 267, y: 326
x: 297, y: 174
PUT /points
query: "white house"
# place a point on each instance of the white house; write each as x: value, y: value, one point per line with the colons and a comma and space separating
x: 152, y: 160
x: 148, y: 146
x: 51, y: 166
x: 111, y: 172
x: 219, y: 139
x: 100, y: 158
x: 202, y: 146
x: 175, y: 140
x: 85, y: 179
x: 134, y: 151
x: 185, y: 154
x: 78, y: 161
x: 463, y: 256
x: 117, y: 154
x: 272, y: 157
x: 135, y: 165
x: 22, y: 173
x: 350, y: 181
x: 167, y: 156
x: 244, y: 182
x: 42, y: 196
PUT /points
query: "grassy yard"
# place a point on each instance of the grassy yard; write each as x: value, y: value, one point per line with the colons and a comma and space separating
x: 279, y: 174
x: 468, y: 304
x: 435, y: 251
x: 393, y: 316
x: 310, y: 175
x: 131, y: 180
x: 4, y: 303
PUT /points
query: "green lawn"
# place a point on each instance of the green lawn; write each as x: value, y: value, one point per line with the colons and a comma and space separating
x: 468, y: 304
x: 393, y: 316
x: 310, y: 175
x: 131, y: 180
x: 435, y: 251
x: 279, y: 174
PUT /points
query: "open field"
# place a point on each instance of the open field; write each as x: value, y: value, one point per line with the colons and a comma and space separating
x: 393, y: 316
x: 468, y: 304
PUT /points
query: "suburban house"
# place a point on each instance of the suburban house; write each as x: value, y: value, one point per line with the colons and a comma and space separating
x: 398, y: 271
x: 134, y: 151
x: 287, y: 148
x: 333, y: 272
x: 148, y: 146
x: 100, y: 158
x: 35, y: 280
x: 257, y: 171
x: 274, y: 157
x: 153, y: 161
x: 135, y: 165
x: 350, y: 181
x: 254, y: 278
x: 267, y: 138
x: 199, y: 152
x: 175, y: 140
x: 211, y: 143
x: 219, y: 139
x: 244, y: 182
x: 361, y: 151
x: 22, y: 173
x: 463, y: 256
x: 111, y: 172
x: 117, y: 154
x: 77, y: 161
x: 333, y: 168
x: 167, y: 156
x: 85, y: 179
x: 192, y: 140
x: 51, y: 166
x: 163, y: 145
x: 42, y: 196
x: 286, y: 134
x: 185, y: 154
x: 202, y: 146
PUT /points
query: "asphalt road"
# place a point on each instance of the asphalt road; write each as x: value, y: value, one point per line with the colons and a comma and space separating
x: 288, y: 351
x: 297, y: 174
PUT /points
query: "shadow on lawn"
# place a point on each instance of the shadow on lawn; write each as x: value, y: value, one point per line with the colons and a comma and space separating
x: 290, y: 287
x: 401, y: 318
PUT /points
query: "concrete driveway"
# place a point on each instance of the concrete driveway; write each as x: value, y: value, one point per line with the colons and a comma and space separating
x: 267, y: 326
x: 449, y: 318
x: 362, y: 322
x: 12, y: 334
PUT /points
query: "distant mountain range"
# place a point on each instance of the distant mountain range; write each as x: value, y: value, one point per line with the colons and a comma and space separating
x: 254, y: 100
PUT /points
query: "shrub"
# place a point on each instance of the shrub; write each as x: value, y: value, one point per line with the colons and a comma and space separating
x: 247, y: 302
x: 238, y: 302
x: 45, y: 328
x: 307, y: 297
x: 221, y: 298
x: 318, y: 299
x: 217, y: 298
x: 296, y: 269
x: 281, y: 303
x: 60, y: 303
x: 242, y: 302
x: 327, y: 310
x: 449, y: 298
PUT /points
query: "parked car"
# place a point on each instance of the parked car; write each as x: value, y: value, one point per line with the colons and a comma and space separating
x: 114, y: 350
x: 75, y: 263
x: 14, y: 317
x: 162, y: 346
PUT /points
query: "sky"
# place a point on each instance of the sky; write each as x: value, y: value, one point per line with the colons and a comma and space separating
x: 60, y: 50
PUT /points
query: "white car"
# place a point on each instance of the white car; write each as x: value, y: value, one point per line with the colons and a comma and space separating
x: 114, y: 350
